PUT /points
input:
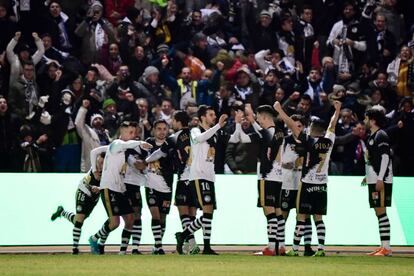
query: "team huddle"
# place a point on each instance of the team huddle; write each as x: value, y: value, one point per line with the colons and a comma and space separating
x: 292, y: 174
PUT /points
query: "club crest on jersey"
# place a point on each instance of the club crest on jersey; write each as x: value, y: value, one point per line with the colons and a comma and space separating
x: 207, y: 198
x: 371, y: 142
x: 79, y: 208
x: 116, y: 209
x: 211, y: 154
x: 151, y: 201
x: 285, y: 205
x: 354, y: 30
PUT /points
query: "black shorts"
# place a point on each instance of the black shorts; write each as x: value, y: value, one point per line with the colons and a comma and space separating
x: 116, y: 204
x: 288, y: 199
x: 380, y: 199
x: 204, y: 191
x: 133, y: 193
x: 313, y: 199
x: 269, y: 193
x: 85, y: 203
x: 183, y: 195
x: 158, y: 199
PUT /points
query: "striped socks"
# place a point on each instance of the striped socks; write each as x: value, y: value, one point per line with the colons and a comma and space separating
x: 384, y: 230
x: 76, y: 233
x: 281, y: 231
x: 157, y: 232
x: 320, y: 230
x: 307, y: 236
x: 69, y: 216
x: 271, y: 230
x: 300, y: 226
x: 126, y: 235
x: 206, y: 221
x: 136, y: 233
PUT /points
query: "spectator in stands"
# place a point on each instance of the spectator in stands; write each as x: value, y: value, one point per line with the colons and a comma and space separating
x: 92, y: 135
x: 64, y: 136
x: 55, y: 24
x: 145, y: 118
x: 94, y: 31
x: 9, y: 129
x: 24, y: 92
x: 111, y: 120
x: 23, y: 55
x: 242, y: 157
x: 8, y: 26
x: 401, y: 72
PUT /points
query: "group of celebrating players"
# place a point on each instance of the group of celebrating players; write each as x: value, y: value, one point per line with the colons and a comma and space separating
x: 293, y: 173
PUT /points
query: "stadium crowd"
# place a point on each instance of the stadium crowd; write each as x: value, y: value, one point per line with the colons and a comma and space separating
x: 72, y: 71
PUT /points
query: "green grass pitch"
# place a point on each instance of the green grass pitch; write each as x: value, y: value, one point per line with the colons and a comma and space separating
x: 225, y: 264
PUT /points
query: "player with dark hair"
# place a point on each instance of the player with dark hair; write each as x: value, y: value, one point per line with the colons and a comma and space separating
x: 270, y: 138
x: 160, y: 181
x: 293, y: 155
x: 312, y: 196
x: 184, y: 199
x: 113, y: 189
x: 87, y: 196
x: 379, y: 176
x: 202, y: 176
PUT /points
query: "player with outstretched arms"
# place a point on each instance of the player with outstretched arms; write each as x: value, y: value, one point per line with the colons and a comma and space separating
x: 202, y: 175
x: 113, y: 189
x: 158, y: 192
x: 185, y: 200
x: 312, y: 196
x: 270, y: 138
x: 135, y: 177
x: 293, y: 156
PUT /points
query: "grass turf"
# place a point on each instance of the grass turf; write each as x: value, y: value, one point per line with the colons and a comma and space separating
x: 225, y: 264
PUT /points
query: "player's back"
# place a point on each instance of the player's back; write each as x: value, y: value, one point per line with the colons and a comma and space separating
x: 315, y: 169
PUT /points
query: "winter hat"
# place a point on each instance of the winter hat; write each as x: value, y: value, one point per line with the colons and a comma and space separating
x: 95, y: 116
x: 265, y: 13
x: 96, y: 6
x: 150, y: 70
x: 107, y: 103
x: 162, y: 48
x: 338, y: 87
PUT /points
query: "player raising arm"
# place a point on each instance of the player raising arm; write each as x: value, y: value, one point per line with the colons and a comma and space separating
x: 202, y: 175
x: 312, y: 196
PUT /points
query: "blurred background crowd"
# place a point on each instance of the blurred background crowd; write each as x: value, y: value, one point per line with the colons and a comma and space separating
x: 73, y: 70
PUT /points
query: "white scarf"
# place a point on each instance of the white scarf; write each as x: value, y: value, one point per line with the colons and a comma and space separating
x: 99, y: 36
x: 393, y: 70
